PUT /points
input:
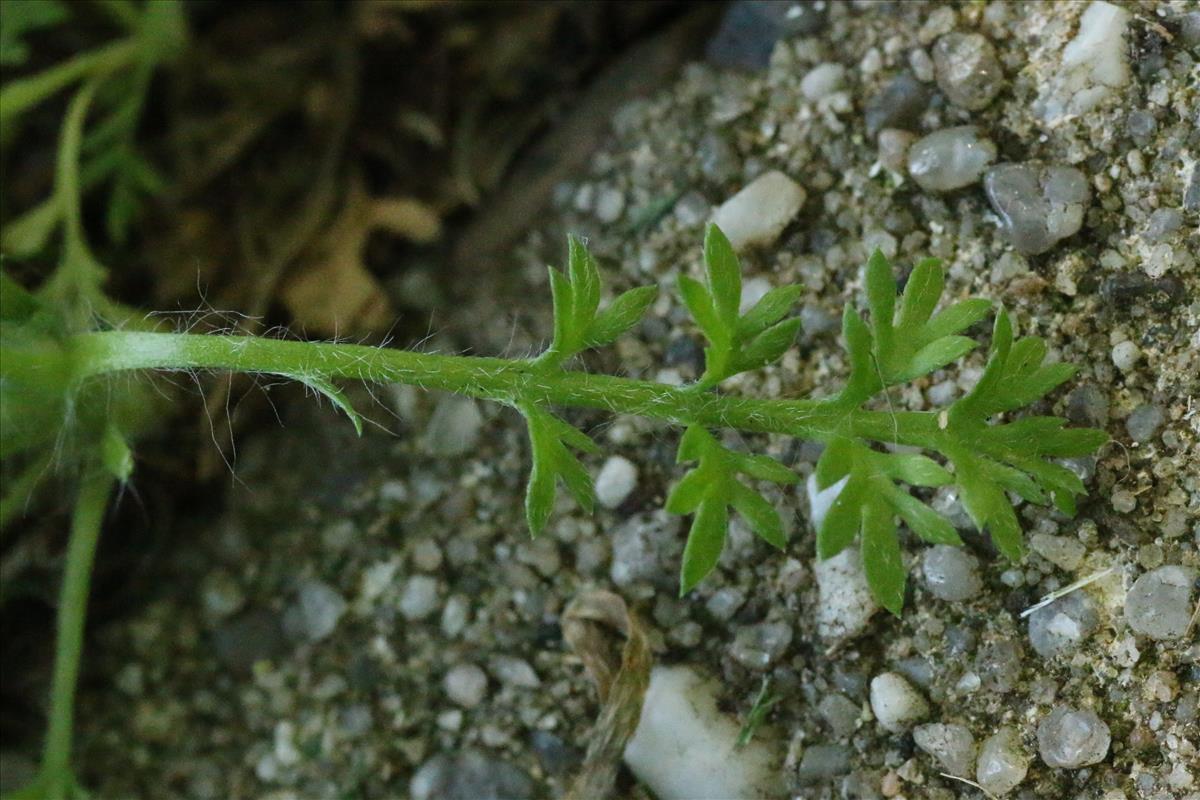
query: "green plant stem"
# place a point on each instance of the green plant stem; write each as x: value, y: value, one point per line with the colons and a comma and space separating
x: 56, y: 776
x: 501, y: 380
x: 21, y: 95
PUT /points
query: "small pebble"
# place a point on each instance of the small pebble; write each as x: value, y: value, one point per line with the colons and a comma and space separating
x: 952, y: 745
x: 967, y: 70
x: 757, y: 214
x: 465, y: 684
x: 845, y: 601
x: 610, y: 204
x: 1002, y: 763
x: 951, y: 573
x: 895, y: 703
x: 1070, y: 738
x: 823, y: 80
x: 893, y: 145
x: 419, y: 597
x: 513, y: 671
x: 1144, y: 422
x: 822, y: 762
x: 759, y: 646
x: 1039, y: 204
x: 840, y: 714
x: 1125, y: 355
x: 1159, y: 603
x: 1062, y: 626
x: 899, y: 105
x: 1061, y: 551
x: 315, y: 613
x: 616, y: 481
x: 950, y: 159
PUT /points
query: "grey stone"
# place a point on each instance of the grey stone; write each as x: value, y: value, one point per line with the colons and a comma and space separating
x: 1070, y: 738
x: 1039, y: 204
x: 1163, y: 224
x: 1144, y: 422
x: 1191, y: 194
x: 759, y: 646
x: 466, y: 685
x: 616, y: 481
x: 1002, y: 762
x: 718, y: 160
x: 999, y: 665
x: 846, y: 602
x: 899, y: 105
x: 1159, y: 603
x: 1141, y: 126
x: 951, y: 744
x: 725, y: 602
x: 895, y: 703
x: 645, y: 553
x: 1088, y: 405
x: 951, y: 573
x: 1061, y: 626
x: 553, y: 753
x: 893, y: 145
x: 950, y: 159
x: 1061, y: 551
x: 513, y: 671
x: 823, y: 80
x: 469, y: 775
x: 315, y: 612
x: 840, y: 714
x: 821, y: 762
x: 419, y: 597
x: 967, y: 70
x: 757, y: 215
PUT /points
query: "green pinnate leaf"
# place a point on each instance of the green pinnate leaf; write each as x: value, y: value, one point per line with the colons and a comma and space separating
x: 936, y: 355
x: 923, y: 520
x: 552, y: 461
x: 768, y: 346
x: 621, y: 315
x: 710, y: 488
x: 956, y: 318
x: 921, y: 294
x: 914, y: 469
x: 759, y: 514
x: 841, y: 523
x: 881, y: 296
x: 22, y: 17
x: 770, y: 308
x: 882, y: 562
x: 704, y: 544
x: 724, y: 276
x: 700, y: 305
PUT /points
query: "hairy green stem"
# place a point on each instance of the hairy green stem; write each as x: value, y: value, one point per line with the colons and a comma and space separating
x: 56, y: 775
x: 501, y: 380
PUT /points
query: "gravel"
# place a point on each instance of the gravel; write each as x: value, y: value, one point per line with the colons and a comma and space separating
x: 899, y: 105
x: 1003, y: 762
x: 1070, y: 738
x: 951, y: 573
x: 1039, y: 204
x: 895, y: 703
x: 823, y: 80
x: 951, y: 744
x: 469, y: 775
x: 967, y: 70
x: 465, y: 685
x: 1144, y: 421
x: 845, y: 601
x: 950, y: 159
x: 454, y: 427
x: 315, y: 613
x: 755, y: 216
x: 1061, y: 626
x: 759, y: 646
x: 1159, y: 603
x: 616, y: 481
x: 419, y: 597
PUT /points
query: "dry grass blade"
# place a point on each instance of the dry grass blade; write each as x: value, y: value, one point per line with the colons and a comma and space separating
x: 593, y: 624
